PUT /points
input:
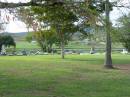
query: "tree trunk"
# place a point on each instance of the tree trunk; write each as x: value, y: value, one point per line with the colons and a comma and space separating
x: 0, y: 48
x: 62, y: 47
x: 62, y: 42
x: 108, y: 59
x: 92, y: 51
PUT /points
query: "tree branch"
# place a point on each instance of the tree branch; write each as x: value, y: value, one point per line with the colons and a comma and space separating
x: 31, y: 3
x: 14, y: 5
x: 121, y: 6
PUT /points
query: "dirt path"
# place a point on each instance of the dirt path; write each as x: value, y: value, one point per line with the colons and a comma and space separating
x: 124, y: 68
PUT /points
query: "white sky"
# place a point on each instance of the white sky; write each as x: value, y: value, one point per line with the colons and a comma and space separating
x: 17, y: 26
x: 16, y: 1
x: 117, y: 12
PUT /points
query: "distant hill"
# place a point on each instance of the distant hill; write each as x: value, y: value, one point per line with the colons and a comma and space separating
x: 17, y: 36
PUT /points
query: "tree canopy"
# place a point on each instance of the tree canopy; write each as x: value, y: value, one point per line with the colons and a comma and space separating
x: 123, y: 32
x: 7, y: 41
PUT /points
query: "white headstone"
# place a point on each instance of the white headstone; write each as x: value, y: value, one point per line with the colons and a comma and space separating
x: 124, y: 51
x: 3, y: 51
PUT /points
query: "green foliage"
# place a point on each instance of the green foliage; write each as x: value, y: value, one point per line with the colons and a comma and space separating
x: 29, y: 37
x: 124, y: 31
x: 58, y: 18
x: 45, y: 39
x: 6, y: 40
x: 24, y: 14
x: 62, y: 16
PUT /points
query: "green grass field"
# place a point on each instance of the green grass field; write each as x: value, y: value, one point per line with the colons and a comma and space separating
x: 76, y: 76
x: 25, y: 45
x: 71, y: 45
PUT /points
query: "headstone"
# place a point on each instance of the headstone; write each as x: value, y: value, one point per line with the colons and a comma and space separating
x: 24, y: 52
x: 124, y: 51
x: 92, y: 51
x: 3, y: 51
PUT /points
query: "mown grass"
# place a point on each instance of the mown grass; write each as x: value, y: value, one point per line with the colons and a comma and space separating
x: 71, y: 45
x: 51, y: 76
x: 26, y: 45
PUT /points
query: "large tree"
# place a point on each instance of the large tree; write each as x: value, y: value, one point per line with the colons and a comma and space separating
x: 108, y: 59
x: 58, y: 17
x: 7, y: 41
x: 46, y: 39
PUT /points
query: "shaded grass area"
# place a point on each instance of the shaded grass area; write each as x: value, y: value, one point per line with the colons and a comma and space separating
x: 50, y: 76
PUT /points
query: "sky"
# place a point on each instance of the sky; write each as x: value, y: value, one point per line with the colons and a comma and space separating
x: 18, y: 26
x: 16, y: 1
x: 118, y: 12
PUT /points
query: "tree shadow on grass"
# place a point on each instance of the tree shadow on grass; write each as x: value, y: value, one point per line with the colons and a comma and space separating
x: 84, y: 60
x: 71, y: 59
x: 124, y: 68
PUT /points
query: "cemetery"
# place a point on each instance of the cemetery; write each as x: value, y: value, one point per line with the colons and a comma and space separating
x: 64, y: 48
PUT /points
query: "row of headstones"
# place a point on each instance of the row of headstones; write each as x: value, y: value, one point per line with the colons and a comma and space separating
x: 3, y: 51
x: 23, y: 52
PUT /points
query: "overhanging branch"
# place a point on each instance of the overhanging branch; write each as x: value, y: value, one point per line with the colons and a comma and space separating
x: 121, y: 6
x: 14, y: 5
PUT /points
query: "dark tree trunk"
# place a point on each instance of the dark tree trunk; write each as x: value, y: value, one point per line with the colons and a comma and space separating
x: 108, y: 59
x: 0, y: 48
x: 62, y: 42
x: 43, y: 48
x: 92, y: 51
x: 62, y: 47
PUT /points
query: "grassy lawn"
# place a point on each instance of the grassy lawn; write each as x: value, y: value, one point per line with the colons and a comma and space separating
x: 71, y: 45
x: 25, y: 45
x: 50, y: 76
